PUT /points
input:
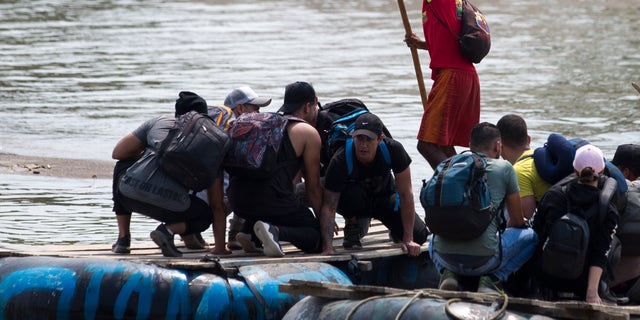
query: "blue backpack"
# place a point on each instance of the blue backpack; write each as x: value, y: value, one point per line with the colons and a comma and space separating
x: 456, y: 199
x: 335, y: 121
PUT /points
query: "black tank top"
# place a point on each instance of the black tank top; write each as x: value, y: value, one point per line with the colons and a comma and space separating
x: 262, y: 197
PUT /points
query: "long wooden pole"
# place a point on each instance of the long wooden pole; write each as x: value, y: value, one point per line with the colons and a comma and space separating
x: 414, y: 54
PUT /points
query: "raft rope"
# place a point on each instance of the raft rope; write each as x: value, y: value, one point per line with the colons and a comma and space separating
x: 424, y: 294
x: 402, y: 294
x: 408, y: 304
x: 496, y: 315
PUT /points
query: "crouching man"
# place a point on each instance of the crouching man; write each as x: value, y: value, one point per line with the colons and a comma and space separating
x: 359, y: 184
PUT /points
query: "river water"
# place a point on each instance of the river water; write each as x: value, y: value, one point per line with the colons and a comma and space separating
x: 76, y: 75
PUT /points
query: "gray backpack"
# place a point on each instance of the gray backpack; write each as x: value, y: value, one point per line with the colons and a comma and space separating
x: 145, y: 182
x: 193, y: 150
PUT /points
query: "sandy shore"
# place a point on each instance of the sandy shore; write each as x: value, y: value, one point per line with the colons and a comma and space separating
x: 55, y: 167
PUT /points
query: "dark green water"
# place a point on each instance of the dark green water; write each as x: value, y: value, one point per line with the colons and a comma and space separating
x: 75, y: 76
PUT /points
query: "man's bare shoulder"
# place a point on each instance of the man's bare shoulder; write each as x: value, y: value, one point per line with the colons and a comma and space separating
x: 55, y: 167
x: 303, y: 128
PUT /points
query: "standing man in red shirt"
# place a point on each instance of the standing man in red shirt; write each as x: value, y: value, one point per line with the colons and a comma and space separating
x: 453, y: 104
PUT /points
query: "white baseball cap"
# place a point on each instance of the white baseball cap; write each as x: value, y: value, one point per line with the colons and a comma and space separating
x: 245, y: 95
x: 589, y: 156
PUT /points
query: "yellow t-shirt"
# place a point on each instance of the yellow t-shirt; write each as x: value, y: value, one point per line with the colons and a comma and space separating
x: 530, y: 182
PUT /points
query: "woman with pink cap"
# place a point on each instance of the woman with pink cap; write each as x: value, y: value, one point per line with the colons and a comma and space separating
x: 579, y: 195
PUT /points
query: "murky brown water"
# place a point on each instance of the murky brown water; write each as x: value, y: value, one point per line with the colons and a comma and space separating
x: 75, y: 76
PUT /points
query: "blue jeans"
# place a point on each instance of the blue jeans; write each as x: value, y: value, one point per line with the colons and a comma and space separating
x: 518, y: 245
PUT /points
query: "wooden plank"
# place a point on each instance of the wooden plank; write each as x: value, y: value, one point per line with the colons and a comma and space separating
x: 557, y: 309
x: 376, y: 245
x: 335, y: 291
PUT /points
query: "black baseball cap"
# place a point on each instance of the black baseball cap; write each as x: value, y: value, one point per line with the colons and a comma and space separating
x: 296, y: 95
x: 369, y: 125
x: 627, y: 155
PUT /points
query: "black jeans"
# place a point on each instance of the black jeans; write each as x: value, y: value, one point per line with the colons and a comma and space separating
x: 355, y: 201
x: 197, y: 217
x: 299, y: 227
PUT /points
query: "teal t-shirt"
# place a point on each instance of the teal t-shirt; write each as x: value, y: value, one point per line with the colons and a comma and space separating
x: 502, y: 181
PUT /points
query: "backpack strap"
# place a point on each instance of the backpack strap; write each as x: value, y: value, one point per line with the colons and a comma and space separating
x: 338, y: 123
x: 480, y: 161
x: 568, y: 199
x: 384, y: 150
x: 350, y: 116
x: 606, y: 194
x: 293, y: 118
x: 174, y: 130
x: 349, y: 154
x: 289, y: 118
x: 438, y: 191
x: 385, y: 153
x: 526, y: 156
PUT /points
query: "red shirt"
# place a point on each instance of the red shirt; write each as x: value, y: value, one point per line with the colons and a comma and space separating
x: 444, y: 49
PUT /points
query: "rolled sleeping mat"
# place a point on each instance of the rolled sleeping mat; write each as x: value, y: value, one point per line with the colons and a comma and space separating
x: 554, y: 160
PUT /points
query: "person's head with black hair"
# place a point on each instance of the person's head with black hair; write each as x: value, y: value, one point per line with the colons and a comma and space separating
x: 485, y: 138
x: 515, y: 138
x: 627, y: 159
x: 189, y: 101
x: 301, y: 101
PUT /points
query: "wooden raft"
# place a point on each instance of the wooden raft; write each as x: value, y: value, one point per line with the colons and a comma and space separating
x: 376, y: 244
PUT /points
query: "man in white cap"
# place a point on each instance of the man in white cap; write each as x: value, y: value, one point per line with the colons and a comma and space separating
x: 241, y: 100
x: 244, y: 99
x: 272, y: 211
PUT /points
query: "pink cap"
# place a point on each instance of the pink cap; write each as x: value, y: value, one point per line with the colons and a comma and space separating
x: 589, y: 156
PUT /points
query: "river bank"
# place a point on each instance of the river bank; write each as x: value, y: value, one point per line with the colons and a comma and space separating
x: 55, y: 167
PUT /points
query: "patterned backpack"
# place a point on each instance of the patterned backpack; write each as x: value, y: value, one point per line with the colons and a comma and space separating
x: 255, y: 141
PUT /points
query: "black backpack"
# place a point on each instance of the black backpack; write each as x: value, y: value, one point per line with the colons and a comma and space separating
x: 335, y: 121
x: 475, y: 36
x: 193, y: 150
x: 565, y: 249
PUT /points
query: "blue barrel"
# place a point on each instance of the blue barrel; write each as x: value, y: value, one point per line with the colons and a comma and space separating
x: 90, y: 288
x: 315, y: 308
